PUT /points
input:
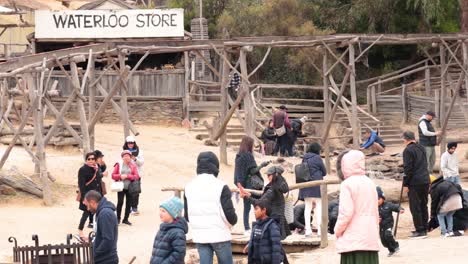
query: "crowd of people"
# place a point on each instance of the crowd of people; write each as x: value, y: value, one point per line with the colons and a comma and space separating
x: 359, y: 218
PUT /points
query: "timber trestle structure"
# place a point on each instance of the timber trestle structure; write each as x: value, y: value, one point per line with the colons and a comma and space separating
x: 338, y: 85
x: 69, y: 253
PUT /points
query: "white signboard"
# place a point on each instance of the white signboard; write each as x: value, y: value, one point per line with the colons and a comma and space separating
x: 144, y: 23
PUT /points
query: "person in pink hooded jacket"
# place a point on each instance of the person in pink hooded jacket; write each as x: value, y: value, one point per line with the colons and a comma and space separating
x: 357, y: 226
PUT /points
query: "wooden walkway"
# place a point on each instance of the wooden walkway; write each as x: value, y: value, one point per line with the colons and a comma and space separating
x: 292, y: 244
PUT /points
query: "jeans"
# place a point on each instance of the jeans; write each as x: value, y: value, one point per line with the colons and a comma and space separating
x: 454, y: 179
x: 430, y: 157
x: 446, y: 228
x: 418, y: 196
x: 128, y: 202
x: 247, y: 207
x: 223, y: 252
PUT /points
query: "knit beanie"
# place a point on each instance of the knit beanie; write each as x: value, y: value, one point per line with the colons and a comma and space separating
x: 380, y: 193
x: 173, y: 206
x: 208, y: 163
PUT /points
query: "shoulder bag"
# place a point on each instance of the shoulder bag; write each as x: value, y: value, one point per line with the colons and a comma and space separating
x: 78, y: 193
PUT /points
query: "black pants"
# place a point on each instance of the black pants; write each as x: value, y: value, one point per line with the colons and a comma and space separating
x: 387, y: 239
x: 128, y: 204
x: 418, y: 196
x: 282, y: 145
x: 136, y: 199
x: 83, y: 219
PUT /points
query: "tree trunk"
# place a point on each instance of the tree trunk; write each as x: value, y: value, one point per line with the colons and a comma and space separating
x: 464, y: 15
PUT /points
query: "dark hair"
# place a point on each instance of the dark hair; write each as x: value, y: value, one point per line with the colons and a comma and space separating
x: 263, y: 204
x: 246, y: 144
x: 90, y: 154
x: 270, y: 121
x: 339, y: 172
x: 408, y: 135
x: 135, y: 153
x: 451, y: 145
x: 98, y: 154
x: 314, y: 148
x: 93, y: 196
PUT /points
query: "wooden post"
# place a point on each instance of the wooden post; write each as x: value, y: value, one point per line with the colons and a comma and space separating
x: 324, y: 224
x: 404, y: 105
x: 248, y: 104
x: 123, y: 97
x: 427, y: 81
x: 369, y: 99
x: 224, y: 109
x: 465, y: 65
x: 379, y: 87
x: 443, y: 88
x: 437, y: 106
x: 81, y: 109
x: 352, y: 82
x: 92, y: 102
x: 186, y: 86
x: 326, y: 108
x: 374, y: 100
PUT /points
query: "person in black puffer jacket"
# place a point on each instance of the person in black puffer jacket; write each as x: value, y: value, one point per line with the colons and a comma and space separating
x: 446, y: 199
x: 265, y: 241
x: 273, y: 194
x: 170, y: 242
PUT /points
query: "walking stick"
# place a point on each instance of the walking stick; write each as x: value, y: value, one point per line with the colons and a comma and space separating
x: 398, y: 215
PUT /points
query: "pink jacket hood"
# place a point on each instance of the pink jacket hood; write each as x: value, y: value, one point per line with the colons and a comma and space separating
x: 353, y: 164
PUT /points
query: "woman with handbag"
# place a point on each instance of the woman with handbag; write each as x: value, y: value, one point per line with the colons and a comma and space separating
x: 245, y: 169
x: 89, y: 178
x: 312, y: 195
x: 127, y: 172
x: 273, y: 194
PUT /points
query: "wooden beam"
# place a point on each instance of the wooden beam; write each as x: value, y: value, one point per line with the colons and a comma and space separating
x: 224, y: 110
x: 213, y: 69
x: 449, y: 111
x: 443, y: 88
x: 352, y: 82
x: 81, y: 110
x: 186, y: 100
x: 261, y: 63
x: 326, y: 107
x: 123, y: 98
x: 233, y: 108
x: 248, y: 103
x: 91, y: 100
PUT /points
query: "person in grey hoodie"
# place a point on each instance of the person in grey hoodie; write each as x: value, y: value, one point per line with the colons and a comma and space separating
x: 105, y: 228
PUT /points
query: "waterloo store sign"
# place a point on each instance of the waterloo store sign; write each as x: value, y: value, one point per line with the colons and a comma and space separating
x: 144, y: 23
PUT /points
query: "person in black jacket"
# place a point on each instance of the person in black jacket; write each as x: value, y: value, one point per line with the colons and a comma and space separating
x: 299, y: 222
x: 416, y: 183
x: 273, y: 194
x: 386, y: 223
x: 170, y: 242
x: 105, y: 240
x: 265, y: 241
x: 295, y: 132
x: 268, y: 138
x: 245, y: 166
x: 446, y: 199
x: 89, y: 178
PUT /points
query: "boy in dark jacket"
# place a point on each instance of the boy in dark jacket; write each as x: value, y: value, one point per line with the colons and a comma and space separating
x: 265, y: 241
x: 386, y: 223
x: 170, y: 243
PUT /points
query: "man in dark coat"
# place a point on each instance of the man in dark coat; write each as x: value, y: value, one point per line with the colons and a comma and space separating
x: 105, y: 241
x: 416, y: 183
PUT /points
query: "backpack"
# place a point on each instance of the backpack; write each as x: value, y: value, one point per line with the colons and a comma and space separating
x: 302, y: 172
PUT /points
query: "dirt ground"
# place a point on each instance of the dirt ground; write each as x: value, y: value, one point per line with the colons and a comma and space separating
x: 170, y: 160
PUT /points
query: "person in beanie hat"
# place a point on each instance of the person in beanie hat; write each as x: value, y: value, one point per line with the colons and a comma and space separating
x: 386, y: 223
x: 449, y: 164
x: 428, y: 138
x: 137, y: 158
x: 204, y: 196
x: 170, y: 242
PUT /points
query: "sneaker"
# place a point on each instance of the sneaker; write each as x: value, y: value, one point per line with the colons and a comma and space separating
x: 90, y: 225
x: 457, y: 233
x: 418, y: 235
x: 126, y: 222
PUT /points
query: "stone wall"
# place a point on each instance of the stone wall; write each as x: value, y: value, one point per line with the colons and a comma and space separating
x: 154, y: 111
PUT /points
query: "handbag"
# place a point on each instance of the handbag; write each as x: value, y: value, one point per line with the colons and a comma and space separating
x: 280, y: 131
x: 256, y: 181
x: 302, y: 172
x: 117, y: 186
x: 134, y: 187
x: 103, y: 188
x: 289, y: 208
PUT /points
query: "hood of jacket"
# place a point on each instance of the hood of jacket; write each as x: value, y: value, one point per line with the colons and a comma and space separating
x: 436, y: 182
x: 310, y: 155
x: 103, y: 204
x: 208, y: 163
x: 353, y: 164
x: 180, y: 223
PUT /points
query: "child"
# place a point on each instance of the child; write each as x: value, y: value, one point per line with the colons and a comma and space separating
x: 169, y: 245
x: 386, y: 223
x: 265, y: 240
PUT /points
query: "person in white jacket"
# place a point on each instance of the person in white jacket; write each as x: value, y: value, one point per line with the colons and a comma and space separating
x: 449, y: 163
x: 137, y: 157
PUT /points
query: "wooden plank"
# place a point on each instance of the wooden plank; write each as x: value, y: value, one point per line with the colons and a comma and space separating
x: 81, y: 109
x: 352, y: 83
x: 186, y: 100
x: 92, y: 100
x: 248, y: 102
x: 224, y: 110
x: 123, y: 100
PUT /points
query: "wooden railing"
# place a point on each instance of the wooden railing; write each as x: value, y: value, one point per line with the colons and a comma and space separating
x: 178, y: 192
